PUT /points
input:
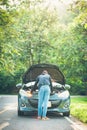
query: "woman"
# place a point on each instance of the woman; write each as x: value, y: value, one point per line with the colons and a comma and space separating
x: 45, y: 88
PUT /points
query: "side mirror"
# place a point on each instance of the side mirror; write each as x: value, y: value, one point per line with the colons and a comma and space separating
x: 67, y: 87
x: 19, y: 85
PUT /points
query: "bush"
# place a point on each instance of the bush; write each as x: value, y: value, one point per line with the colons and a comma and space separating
x: 9, y: 81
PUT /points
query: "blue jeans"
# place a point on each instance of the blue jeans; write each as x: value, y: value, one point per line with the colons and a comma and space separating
x: 43, y: 97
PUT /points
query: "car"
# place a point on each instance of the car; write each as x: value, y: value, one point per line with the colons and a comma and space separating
x: 60, y: 98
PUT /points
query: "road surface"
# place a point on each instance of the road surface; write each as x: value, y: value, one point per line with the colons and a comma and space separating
x: 9, y: 120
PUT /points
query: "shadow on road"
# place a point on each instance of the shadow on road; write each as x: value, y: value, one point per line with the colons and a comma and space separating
x: 52, y: 115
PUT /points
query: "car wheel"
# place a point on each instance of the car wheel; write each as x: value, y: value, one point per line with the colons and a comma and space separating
x: 66, y: 113
x: 20, y: 113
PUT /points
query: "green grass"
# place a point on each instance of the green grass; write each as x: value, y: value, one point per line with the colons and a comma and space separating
x: 79, y: 108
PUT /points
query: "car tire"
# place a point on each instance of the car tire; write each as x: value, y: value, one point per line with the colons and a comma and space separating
x: 66, y: 113
x: 20, y: 113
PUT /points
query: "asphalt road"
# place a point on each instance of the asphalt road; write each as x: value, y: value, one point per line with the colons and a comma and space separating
x: 9, y: 119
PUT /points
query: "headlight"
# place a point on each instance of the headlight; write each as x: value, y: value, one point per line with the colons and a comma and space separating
x: 64, y: 94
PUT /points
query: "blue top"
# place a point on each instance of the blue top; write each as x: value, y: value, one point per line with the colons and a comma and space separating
x: 43, y: 79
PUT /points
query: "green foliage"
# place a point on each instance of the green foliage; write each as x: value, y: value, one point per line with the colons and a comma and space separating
x: 4, y: 2
x: 8, y: 81
x: 78, y: 108
x: 31, y: 33
x: 4, y: 18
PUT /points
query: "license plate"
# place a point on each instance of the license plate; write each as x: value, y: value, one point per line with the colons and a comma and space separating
x: 49, y: 104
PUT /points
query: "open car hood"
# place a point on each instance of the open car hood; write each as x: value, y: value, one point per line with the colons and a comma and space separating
x: 35, y: 70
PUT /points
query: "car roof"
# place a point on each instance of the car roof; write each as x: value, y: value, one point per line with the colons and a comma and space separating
x: 35, y: 70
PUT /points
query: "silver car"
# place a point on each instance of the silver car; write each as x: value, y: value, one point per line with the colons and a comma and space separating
x: 60, y: 98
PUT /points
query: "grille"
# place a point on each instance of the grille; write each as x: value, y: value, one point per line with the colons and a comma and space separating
x: 54, y: 104
x: 33, y: 103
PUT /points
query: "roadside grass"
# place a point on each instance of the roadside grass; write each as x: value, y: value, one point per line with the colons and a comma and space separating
x: 79, y: 108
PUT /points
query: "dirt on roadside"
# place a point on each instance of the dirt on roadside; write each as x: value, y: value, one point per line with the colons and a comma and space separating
x: 81, y: 124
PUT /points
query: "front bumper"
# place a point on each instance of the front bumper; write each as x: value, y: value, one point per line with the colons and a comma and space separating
x: 29, y: 105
